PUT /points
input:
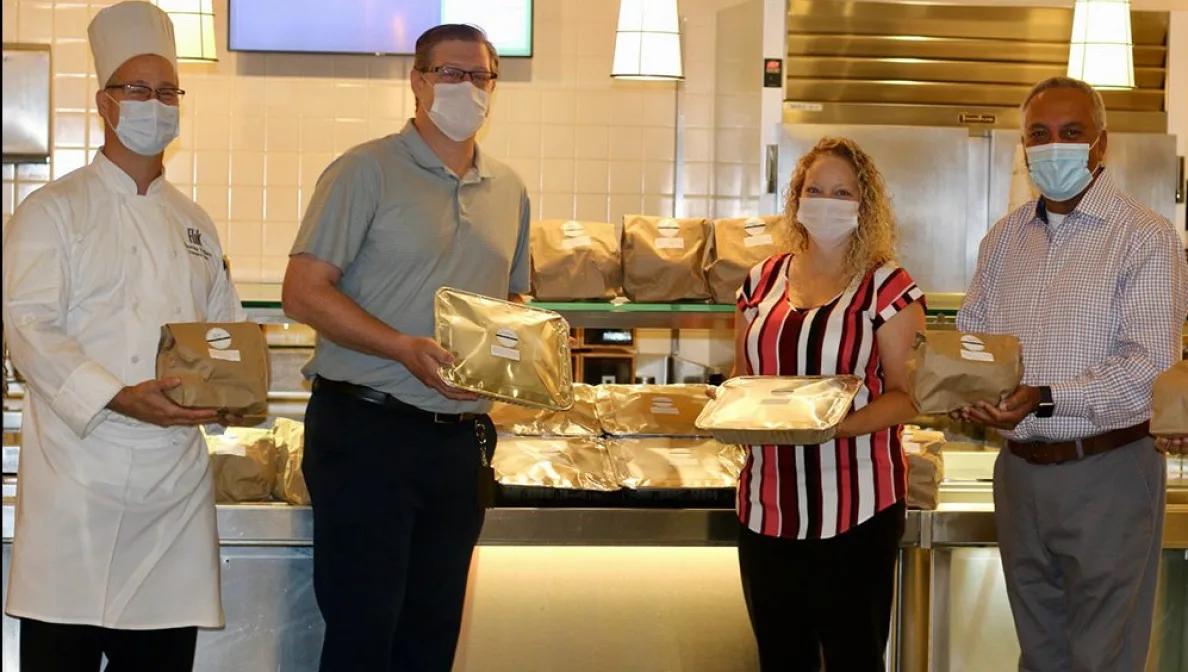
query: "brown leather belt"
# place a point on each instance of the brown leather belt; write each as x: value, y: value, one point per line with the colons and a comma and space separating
x: 1040, y: 452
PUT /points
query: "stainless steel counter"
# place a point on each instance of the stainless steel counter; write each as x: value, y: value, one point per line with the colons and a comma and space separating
x: 267, y: 576
x: 953, y: 525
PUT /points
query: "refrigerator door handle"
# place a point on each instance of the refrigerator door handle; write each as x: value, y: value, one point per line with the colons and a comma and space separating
x: 773, y: 162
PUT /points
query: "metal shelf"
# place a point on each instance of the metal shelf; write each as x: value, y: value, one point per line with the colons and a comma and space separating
x: 598, y: 315
x: 262, y: 301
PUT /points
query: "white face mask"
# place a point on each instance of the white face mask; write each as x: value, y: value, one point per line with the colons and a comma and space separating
x: 829, y: 221
x: 459, y: 109
x: 146, y: 126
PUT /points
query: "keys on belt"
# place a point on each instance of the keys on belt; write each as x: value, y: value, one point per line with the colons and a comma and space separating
x: 1057, y: 452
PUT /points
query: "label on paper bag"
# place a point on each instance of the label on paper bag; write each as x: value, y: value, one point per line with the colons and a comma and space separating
x: 218, y: 338
x: 670, y: 243
x: 574, y: 243
x: 974, y: 349
x: 756, y: 241
x: 225, y: 355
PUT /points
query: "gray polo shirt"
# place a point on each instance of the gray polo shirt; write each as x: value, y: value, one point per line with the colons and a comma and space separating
x: 399, y: 225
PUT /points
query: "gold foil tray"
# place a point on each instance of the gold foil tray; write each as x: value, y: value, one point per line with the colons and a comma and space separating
x: 644, y: 410
x: 580, y: 420
x: 505, y: 351
x: 573, y: 464
x: 660, y: 462
x: 781, y: 410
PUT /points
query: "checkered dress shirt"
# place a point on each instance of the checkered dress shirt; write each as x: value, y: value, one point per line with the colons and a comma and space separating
x: 1098, y: 303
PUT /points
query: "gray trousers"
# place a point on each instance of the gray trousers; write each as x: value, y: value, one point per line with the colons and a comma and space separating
x: 1080, y: 545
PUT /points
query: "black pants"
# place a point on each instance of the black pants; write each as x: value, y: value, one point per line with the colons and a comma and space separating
x: 396, y: 518
x: 58, y: 647
x: 822, y: 596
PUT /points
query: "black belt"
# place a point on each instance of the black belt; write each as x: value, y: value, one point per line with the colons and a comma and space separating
x: 374, y: 396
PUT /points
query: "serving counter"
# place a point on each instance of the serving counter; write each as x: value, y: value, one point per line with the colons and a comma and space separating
x: 607, y: 588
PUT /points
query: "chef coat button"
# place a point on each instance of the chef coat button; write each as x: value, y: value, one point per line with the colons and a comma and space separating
x: 135, y: 359
x: 133, y: 249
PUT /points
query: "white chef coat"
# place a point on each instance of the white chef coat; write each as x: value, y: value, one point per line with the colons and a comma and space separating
x: 115, y: 518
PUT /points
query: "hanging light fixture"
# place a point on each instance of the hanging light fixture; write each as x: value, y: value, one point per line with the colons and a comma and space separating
x: 1100, y: 50
x: 648, y: 41
x: 193, y: 28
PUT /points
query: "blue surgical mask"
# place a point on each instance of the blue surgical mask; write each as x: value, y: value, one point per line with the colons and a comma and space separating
x: 146, y: 126
x: 1060, y: 170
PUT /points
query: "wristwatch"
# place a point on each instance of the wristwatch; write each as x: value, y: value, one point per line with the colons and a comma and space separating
x: 1046, y: 406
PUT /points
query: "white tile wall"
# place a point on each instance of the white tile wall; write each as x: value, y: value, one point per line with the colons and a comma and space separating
x: 258, y: 129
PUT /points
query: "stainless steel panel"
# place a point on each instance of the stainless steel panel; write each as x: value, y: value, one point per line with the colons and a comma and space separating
x: 1004, y: 143
x: 916, y: 69
x: 926, y: 170
x: 1034, y: 24
x: 952, y: 48
x: 948, y: 93
x: 977, y: 207
x: 10, y: 627
x: 26, y: 93
x: 973, y: 116
x: 926, y: 55
x: 273, y: 621
x: 1144, y: 165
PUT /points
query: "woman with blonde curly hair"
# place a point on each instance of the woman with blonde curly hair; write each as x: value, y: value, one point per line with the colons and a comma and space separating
x: 821, y: 523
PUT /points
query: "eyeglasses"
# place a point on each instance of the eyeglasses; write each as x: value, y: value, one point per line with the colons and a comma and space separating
x: 451, y: 75
x: 170, y: 95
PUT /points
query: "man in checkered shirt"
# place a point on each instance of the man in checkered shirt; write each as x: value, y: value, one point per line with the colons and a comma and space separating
x: 1095, y: 287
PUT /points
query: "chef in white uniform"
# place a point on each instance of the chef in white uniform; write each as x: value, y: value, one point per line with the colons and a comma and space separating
x: 116, y: 551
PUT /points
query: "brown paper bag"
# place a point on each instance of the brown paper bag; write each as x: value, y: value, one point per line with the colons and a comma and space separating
x: 243, y: 465
x: 289, y: 438
x: 1169, y: 402
x: 662, y: 259
x: 581, y: 420
x: 926, y: 466
x: 948, y: 370
x: 221, y: 365
x: 736, y: 245
x: 574, y: 260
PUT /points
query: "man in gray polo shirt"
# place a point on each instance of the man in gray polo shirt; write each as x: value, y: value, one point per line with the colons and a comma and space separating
x: 392, y: 453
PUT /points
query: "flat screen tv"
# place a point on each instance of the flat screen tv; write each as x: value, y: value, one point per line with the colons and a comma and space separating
x: 371, y: 26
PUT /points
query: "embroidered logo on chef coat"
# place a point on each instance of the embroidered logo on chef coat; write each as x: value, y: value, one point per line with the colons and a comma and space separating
x: 194, y: 244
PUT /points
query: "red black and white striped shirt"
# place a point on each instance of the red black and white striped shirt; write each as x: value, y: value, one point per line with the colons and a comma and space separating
x: 817, y: 492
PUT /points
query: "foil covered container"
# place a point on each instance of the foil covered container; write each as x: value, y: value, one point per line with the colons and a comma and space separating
x: 781, y: 410
x: 566, y: 463
x: 663, y: 462
x: 505, y: 351
x: 580, y: 420
x: 662, y: 410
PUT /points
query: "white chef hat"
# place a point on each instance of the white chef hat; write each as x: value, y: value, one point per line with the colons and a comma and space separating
x: 129, y: 29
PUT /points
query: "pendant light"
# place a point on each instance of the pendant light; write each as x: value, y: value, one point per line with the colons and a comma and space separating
x: 193, y: 28
x: 648, y: 41
x: 1100, y: 49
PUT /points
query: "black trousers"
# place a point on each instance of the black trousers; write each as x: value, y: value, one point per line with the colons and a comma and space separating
x: 396, y: 519
x: 59, y: 647
x: 816, y: 598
